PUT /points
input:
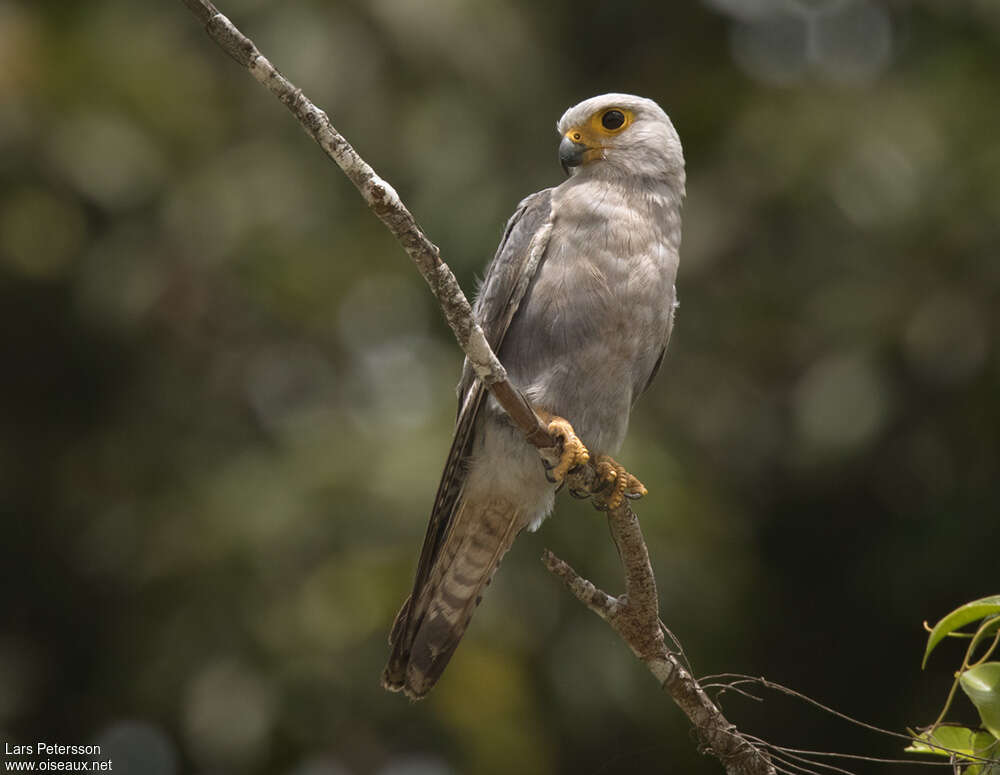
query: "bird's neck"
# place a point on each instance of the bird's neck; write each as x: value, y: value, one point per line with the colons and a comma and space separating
x: 659, y: 197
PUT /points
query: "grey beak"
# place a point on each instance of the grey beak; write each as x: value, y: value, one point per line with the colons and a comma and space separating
x: 570, y: 154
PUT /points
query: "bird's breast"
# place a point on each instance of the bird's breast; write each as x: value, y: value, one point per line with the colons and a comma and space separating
x: 597, y: 313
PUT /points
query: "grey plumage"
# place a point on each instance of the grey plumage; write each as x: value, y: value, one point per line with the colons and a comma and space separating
x: 578, y: 303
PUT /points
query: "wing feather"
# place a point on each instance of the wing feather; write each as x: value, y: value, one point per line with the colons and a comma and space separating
x: 663, y: 350
x: 507, y: 278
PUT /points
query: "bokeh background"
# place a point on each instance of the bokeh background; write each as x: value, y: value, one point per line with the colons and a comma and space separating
x: 226, y: 395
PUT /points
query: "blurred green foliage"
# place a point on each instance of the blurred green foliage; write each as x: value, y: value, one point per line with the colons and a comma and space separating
x: 226, y: 396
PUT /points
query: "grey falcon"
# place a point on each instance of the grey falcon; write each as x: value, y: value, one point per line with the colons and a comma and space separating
x: 578, y: 303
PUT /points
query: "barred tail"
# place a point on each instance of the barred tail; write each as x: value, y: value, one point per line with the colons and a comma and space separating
x: 426, y: 633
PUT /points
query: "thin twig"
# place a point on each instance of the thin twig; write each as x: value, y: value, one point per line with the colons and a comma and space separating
x: 741, y: 678
x: 735, y: 679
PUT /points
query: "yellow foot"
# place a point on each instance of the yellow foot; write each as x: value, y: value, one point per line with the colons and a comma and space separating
x: 569, y: 448
x: 613, y: 484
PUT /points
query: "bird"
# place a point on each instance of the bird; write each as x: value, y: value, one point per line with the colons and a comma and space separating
x: 578, y: 303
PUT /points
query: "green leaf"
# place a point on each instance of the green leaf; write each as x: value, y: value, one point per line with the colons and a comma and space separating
x: 986, y: 630
x: 950, y: 740
x: 970, y: 612
x: 988, y: 768
x: 982, y: 684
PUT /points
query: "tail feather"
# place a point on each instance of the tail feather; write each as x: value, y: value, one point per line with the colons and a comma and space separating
x: 426, y: 633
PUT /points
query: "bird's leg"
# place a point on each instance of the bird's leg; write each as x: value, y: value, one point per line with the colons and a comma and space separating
x: 570, y: 452
x: 614, y: 483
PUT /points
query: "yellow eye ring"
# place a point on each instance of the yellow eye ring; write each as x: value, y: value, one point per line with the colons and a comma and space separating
x: 611, y: 121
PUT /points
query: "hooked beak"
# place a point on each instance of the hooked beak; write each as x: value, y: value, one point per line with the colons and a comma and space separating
x: 571, y: 154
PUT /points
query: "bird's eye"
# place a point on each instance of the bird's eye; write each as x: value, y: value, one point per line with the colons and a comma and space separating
x: 612, y: 120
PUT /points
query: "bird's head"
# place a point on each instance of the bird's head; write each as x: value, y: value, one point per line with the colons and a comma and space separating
x: 620, y: 135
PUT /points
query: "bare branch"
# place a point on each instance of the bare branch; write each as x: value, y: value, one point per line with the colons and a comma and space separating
x: 634, y: 615
x: 386, y: 204
x: 597, y: 600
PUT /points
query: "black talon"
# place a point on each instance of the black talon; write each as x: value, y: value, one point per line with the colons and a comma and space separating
x: 632, y: 496
x: 579, y: 494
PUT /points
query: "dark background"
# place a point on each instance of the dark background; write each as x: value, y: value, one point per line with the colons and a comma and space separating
x: 227, y: 396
